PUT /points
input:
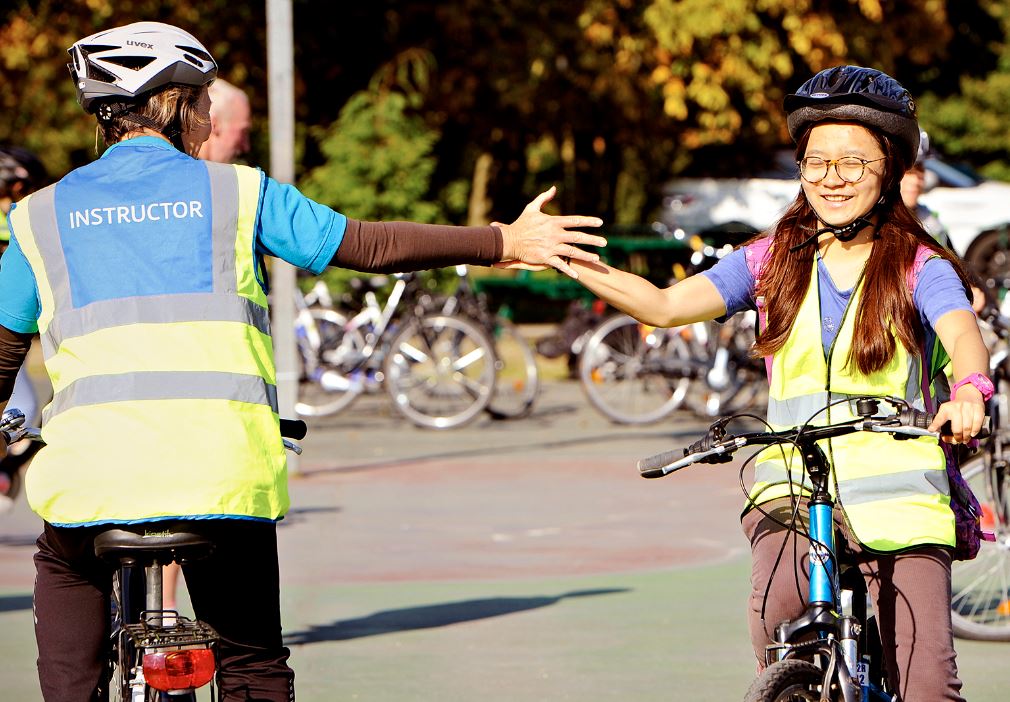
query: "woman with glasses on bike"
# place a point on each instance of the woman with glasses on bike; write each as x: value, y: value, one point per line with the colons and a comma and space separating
x: 143, y: 272
x: 853, y: 296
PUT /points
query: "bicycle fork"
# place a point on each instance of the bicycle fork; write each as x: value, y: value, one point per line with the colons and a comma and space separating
x: 829, y: 618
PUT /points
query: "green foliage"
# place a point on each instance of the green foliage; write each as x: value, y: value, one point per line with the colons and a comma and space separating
x: 379, y: 161
x: 604, y: 98
x: 971, y: 125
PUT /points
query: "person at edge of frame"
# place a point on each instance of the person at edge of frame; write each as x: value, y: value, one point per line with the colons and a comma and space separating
x: 913, y: 184
x: 832, y: 281
x: 151, y: 303
x: 21, y: 173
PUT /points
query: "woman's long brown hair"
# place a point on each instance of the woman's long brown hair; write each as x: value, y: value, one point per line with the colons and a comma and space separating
x: 886, y: 301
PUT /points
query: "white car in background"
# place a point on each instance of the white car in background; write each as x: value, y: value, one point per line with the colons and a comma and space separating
x: 975, y: 211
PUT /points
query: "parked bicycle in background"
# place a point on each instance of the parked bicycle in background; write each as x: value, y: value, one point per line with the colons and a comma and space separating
x: 439, y: 369
x: 636, y: 374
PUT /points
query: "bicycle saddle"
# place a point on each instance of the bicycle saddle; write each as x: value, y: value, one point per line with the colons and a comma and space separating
x: 144, y: 544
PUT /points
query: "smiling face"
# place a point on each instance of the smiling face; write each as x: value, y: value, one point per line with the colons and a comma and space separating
x: 835, y: 202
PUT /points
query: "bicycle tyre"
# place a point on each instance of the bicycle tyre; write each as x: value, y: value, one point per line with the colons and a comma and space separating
x: 980, y: 588
x: 732, y: 381
x: 517, y: 379
x: 989, y: 257
x: 624, y: 371
x: 327, y: 348
x: 440, y: 371
x: 791, y: 680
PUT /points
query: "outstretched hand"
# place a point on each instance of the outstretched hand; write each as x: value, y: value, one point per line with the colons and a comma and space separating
x: 537, y: 240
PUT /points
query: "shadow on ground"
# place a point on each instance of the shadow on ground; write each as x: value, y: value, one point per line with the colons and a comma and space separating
x: 431, y: 616
x: 14, y: 603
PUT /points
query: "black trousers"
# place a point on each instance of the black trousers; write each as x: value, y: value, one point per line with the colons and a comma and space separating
x: 236, y: 590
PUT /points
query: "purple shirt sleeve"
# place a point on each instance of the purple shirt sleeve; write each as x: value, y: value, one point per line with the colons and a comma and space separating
x: 938, y: 291
x: 732, y: 278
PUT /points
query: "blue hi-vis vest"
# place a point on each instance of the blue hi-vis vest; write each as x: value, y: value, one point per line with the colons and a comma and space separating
x: 155, y: 333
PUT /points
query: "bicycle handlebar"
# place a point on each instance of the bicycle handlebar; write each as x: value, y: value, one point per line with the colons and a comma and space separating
x: 718, y: 447
x: 12, y: 429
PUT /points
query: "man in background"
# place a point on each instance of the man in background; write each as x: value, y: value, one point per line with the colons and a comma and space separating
x: 230, y: 120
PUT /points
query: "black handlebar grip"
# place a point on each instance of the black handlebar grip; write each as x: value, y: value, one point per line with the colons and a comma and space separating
x: 652, y: 467
x: 922, y: 420
x: 293, y: 429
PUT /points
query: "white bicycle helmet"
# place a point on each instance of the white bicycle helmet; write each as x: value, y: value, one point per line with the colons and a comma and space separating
x: 121, y: 64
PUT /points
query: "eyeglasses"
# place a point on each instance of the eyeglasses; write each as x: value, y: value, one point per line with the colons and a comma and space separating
x: 850, y: 168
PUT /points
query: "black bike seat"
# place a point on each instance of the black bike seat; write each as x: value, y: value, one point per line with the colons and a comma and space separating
x: 144, y: 544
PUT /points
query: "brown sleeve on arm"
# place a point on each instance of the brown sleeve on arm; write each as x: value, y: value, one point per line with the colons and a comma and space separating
x: 394, y: 247
x: 13, y: 350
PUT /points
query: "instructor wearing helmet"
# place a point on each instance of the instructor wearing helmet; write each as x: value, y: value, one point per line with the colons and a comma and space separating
x: 855, y: 299
x: 143, y: 273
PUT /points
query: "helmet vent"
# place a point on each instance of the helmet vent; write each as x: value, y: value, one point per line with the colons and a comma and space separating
x: 94, y: 48
x: 193, y: 60
x: 134, y: 62
x: 195, y: 52
x: 96, y: 73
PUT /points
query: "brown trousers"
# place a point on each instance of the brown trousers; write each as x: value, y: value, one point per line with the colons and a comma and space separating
x: 910, y: 593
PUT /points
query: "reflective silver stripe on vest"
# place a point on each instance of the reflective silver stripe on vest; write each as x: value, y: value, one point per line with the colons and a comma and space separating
x: 183, y: 307
x: 224, y: 222
x: 776, y: 474
x: 42, y: 216
x: 913, y: 386
x: 163, y: 385
x: 891, y: 485
x: 794, y: 411
x: 861, y: 490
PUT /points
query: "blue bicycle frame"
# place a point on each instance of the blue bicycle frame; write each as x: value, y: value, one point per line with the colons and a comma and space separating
x: 830, y: 613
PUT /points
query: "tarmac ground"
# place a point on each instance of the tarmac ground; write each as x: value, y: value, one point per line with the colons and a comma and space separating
x: 508, y: 561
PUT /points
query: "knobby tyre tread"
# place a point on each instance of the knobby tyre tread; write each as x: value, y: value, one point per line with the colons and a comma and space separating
x: 791, y: 680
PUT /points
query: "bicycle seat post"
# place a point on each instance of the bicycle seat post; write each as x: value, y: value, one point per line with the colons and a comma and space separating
x: 153, y: 591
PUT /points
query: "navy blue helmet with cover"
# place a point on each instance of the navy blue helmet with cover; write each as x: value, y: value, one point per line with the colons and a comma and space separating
x: 856, y: 94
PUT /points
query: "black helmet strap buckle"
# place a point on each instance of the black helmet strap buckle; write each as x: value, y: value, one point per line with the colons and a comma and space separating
x: 843, y: 234
x: 108, y: 111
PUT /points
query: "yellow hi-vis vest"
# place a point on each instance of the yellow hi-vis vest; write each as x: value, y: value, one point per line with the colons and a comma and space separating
x: 164, y: 403
x: 894, y: 494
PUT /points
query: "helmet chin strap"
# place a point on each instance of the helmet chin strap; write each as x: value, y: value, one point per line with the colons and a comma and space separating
x: 844, y: 233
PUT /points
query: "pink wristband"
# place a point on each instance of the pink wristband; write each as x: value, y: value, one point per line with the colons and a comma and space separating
x: 979, y: 381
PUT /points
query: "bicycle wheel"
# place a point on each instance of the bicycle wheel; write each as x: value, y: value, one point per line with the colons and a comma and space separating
x: 517, y: 381
x: 789, y: 681
x: 989, y: 257
x: 440, y: 371
x: 328, y: 351
x: 980, y: 588
x: 730, y: 380
x: 633, y: 374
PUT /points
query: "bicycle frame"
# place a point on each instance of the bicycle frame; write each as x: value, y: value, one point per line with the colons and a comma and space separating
x: 830, y: 614
x: 833, y: 617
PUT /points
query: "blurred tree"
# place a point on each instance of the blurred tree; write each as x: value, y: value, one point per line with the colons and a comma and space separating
x: 968, y: 121
x: 379, y: 152
x: 606, y: 98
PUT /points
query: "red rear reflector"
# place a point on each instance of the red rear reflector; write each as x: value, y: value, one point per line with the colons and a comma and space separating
x: 179, y: 670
